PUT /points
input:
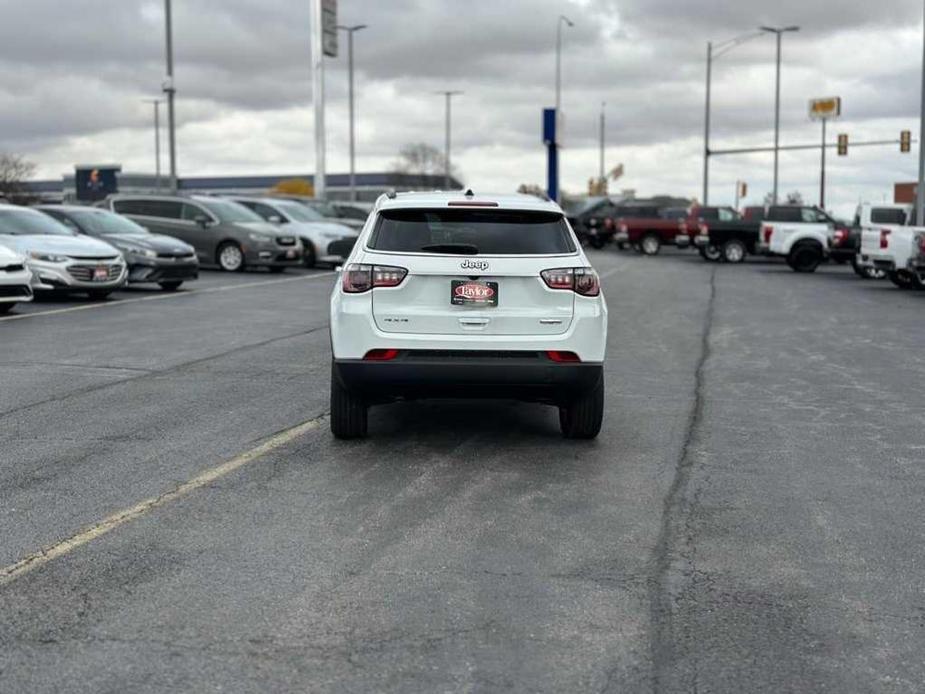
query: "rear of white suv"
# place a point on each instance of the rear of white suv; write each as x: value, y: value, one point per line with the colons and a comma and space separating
x: 450, y: 295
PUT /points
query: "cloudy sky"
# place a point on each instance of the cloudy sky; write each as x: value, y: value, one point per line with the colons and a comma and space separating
x: 73, y: 76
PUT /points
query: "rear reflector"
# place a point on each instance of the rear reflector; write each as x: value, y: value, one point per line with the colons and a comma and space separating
x: 381, y: 355
x: 885, y: 238
x: 563, y: 357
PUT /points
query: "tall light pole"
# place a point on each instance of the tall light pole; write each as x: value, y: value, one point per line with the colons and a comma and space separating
x: 350, y: 31
x: 779, y: 32
x: 601, y: 162
x: 171, y: 92
x: 157, y: 139
x: 449, y: 96
x: 568, y: 22
x: 920, y: 189
x: 714, y: 52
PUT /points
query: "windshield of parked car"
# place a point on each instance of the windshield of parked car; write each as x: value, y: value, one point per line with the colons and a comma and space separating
x: 100, y: 222
x: 29, y: 223
x: 298, y: 212
x: 471, y: 232
x: 228, y: 211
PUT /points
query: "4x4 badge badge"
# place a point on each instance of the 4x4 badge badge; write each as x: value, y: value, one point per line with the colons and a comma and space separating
x: 474, y: 265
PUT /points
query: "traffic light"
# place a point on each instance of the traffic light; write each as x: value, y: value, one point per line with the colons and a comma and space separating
x: 843, y: 145
x: 905, y: 141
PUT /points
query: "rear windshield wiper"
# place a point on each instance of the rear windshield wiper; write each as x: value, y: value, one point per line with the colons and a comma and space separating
x: 452, y: 248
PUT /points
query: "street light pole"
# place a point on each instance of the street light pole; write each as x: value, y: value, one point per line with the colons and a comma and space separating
x: 920, y: 189
x: 568, y: 22
x: 449, y: 94
x: 171, y: 92
x: 715, y: 51
x: 779, y: 32
x: 601, y: 163
x: 157, y: 139
x: 350, y: 31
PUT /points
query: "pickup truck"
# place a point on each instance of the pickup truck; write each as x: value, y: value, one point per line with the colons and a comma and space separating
x: 647, y: 229
x: 592, y: 221
x: 802, y: 235
x: 892, y: 243
x: 702, y: 219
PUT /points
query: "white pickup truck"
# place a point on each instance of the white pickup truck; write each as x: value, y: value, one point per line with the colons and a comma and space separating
x: 801, y: 234
x: 891, y: 242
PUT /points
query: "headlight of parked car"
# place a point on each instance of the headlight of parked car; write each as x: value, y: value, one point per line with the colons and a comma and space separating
x: 260, y: 238
x: 49, y: 257
x: 132, y: 250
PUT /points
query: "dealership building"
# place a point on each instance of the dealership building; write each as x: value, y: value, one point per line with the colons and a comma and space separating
x: 369, y: 186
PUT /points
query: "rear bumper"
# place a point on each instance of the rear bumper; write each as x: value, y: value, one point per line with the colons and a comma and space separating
x: 425, y: 374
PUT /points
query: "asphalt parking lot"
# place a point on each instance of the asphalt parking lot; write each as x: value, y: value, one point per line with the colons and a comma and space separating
x: 177, y: 516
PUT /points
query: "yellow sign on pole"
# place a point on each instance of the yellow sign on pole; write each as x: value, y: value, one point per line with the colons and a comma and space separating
x: 828, y: 108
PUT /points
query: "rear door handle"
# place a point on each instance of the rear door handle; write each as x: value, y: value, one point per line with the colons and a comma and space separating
x: 550, y: 321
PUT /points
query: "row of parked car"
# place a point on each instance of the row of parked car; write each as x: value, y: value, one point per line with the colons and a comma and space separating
x: 163, y: 240
x: 883, y: 240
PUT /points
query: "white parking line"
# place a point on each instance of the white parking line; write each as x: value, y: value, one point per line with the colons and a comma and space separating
x: 33, y: 561
x: 161, y: 297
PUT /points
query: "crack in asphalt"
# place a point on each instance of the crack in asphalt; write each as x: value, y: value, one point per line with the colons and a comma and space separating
x: 661, y: 598
x: 161, y: 372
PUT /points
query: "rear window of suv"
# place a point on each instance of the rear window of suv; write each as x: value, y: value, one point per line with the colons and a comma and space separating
x: 471, y: 232
x: 888, y: 215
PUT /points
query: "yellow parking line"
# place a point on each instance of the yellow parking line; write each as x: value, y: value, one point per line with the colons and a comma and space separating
x: 161, y: 297
x: 33, y: 561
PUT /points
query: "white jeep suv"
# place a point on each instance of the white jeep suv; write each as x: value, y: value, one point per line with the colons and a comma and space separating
x: 456, y: 295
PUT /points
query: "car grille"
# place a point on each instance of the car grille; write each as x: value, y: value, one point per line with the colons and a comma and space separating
x: 341, y: 247
x: 190, y: 257
x: 14, y: 291
x: 84, y: 273
x: 285, y: 240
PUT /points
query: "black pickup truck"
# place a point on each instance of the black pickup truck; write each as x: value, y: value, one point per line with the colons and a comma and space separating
x: 734, y: 241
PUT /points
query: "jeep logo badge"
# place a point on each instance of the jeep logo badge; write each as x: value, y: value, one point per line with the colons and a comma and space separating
x: 474, y: 265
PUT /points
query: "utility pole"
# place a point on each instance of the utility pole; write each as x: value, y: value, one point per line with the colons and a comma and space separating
x: 449, y: 94
x: 559, y: 22
x: 706, y: 128
x: 920, y: 189
x: 779, y: 33
x: 822, y: 169
x: 350, y: 31
x: 157, y: 139
x: 317, y: 50
x: 171, y: 92
x: 601, y: 163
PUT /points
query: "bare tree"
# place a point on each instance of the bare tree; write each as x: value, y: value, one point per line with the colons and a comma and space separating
x: 792, y: 198
x: 14, y: 171
x: 422, y: 159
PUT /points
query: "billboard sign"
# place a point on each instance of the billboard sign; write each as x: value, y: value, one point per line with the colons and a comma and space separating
x: 329, y: 27
x: 95, y: 182
x: 828, y: 108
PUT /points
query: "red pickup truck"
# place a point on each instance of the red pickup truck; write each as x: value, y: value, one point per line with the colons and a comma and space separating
x: 649, y: 228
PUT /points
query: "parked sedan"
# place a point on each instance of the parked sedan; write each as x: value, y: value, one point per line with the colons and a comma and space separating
x: 15, y: 279
x: 223, y: 232
x: 324, y: 242
x: 60, y: 259
x: 330, y: 213
x: 151, y: 258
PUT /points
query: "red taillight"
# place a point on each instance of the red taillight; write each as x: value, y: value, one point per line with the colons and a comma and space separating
x: 563, y: 357
x: 624, y: 229
x: 841, y: 235
x: 885, y: 238
x: 704, y: 229
x: 767, y: 232
x: 581, y: 280
x: 380, y: 355
x: 361, y: 278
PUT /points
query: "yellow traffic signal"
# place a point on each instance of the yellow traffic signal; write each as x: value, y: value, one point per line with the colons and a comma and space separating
x: 905, y: 141
x: 843, y: 145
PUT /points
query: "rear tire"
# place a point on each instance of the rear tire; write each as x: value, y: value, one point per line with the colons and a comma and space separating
x: 734, y: 251
x: 349, y: 412
x: 596, y: 242
x: 711, y: 253
x: 902, y: 279
x: 804, y: 257
x: 582, y: 418
x: 170, y: 286
x: 650, y: 244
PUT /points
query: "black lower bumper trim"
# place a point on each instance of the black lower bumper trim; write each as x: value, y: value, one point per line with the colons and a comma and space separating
x: 532, y: 379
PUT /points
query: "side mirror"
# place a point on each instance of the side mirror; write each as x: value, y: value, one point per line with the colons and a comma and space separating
x: 203, y: 221
x: 275, y: 219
